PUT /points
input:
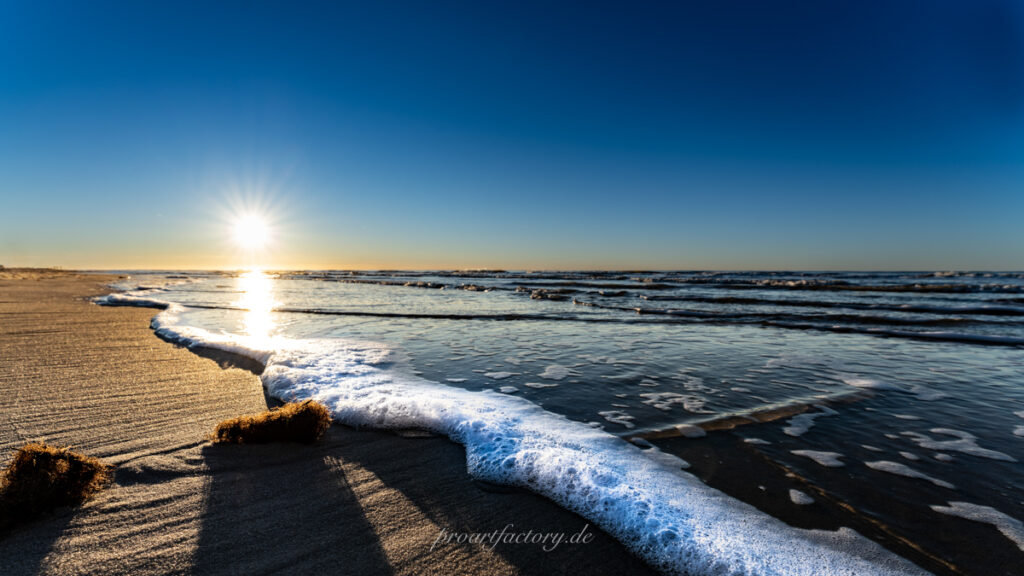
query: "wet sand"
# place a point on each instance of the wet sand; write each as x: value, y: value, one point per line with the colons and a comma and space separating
x: 358, y: 502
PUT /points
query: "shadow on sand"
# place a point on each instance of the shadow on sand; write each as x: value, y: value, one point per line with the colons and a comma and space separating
x: 282, y: 508
x: 431, y: 475
x: 25, y: 547
x: 365, y: 502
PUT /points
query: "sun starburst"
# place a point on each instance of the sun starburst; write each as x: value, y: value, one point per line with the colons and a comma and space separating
x: 251, y: 232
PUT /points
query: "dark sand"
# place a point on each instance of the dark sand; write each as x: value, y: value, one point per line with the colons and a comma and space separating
x: 359, y: 502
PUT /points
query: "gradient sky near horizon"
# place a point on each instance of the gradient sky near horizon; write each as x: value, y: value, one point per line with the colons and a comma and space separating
x: 869, y: 134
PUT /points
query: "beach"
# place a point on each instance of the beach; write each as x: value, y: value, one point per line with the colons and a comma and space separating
x: 98, y: 379
x: 476, y: 413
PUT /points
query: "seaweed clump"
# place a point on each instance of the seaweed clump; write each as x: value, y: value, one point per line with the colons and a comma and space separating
x: 43, y: 477
x: 303, y: 422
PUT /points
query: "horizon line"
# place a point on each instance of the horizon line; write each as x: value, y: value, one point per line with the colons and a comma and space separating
x: 498, y: 270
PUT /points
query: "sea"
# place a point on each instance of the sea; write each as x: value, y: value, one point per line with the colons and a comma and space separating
x: 860, y: 422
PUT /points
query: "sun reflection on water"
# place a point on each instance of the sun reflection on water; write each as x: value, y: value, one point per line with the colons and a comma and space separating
x: 257, y: 299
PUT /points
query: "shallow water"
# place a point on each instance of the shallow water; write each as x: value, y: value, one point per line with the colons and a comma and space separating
x: 912, y: 383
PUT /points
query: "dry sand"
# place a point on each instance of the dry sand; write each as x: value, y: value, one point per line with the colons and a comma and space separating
x: 359, y: 502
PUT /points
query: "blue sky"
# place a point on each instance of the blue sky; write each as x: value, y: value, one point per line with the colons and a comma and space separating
x: 714, y: 135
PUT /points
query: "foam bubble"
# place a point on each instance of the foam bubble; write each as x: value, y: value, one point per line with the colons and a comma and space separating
x: 135, y: 298
x: 904, y: 470
x: 670, y: 460
x: 1009, y: 526
x: 828, y: 459
x: 618, y: 417
x: 695, y: 384
x: 800, y: 498
x: 799, y: 425
x: 500, y: 375
x: 666, y: 400
x: 558, y: 372
x: 867, y: 383
x: 691, y: 431
x: 965, y: 442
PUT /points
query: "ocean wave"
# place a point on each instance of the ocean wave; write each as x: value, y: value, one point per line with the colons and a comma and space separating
x: 740, y: 317
x: 132, y: 299
x: 857, y: 324
x: 841, y: 285
x: 972, y: 309
x: 941, y: 336
x: 961, y: 283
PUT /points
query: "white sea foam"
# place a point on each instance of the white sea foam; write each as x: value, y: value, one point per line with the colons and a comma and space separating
x: 799, y: 425
x: 756, y: 441
x: 499, y: 375
x: 670, y: 460
x: 1018, y: 431
x: 618, y: 417
x: 695, y: 384
x: 904, y: 470
x: 828, y: 459
x: 867, y: 383
x: 691, y: 431
x: 132, y: 299
x: 539, y: 385
x: 800, y: 498
x: 663, y: 514
x: 666, y: 400
x: 557, y: 372
x: 965, y: 442
x: 918, y: 390
x: 508, y: 389
x: 1009, y: 526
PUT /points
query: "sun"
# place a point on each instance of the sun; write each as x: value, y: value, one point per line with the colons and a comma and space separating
x: 251, y: 232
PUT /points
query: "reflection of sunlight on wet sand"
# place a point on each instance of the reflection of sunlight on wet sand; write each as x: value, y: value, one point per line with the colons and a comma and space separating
x: 258, y: 301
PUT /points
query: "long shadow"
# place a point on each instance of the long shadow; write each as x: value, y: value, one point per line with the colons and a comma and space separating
x: 431, y: 474
x: 25, y: 547
x: 282, y: 508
